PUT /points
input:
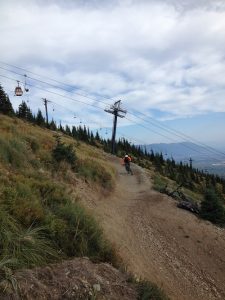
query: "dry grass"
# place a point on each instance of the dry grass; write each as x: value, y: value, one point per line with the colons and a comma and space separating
x: 34, y: 195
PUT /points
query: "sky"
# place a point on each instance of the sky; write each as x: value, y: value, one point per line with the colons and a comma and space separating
x: 165, y: 59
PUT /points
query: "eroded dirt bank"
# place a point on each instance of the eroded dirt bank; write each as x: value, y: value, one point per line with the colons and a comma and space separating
x: 78, y: 278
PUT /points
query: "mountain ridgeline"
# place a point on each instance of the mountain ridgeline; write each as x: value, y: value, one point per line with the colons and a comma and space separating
x: 202, y: 157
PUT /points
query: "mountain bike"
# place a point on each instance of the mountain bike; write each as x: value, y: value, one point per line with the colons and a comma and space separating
x: 128, y: 169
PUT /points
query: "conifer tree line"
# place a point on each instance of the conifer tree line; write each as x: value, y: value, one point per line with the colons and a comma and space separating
x: 182, y: 173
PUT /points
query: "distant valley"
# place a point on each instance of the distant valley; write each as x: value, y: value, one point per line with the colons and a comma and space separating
x: 203, y: 158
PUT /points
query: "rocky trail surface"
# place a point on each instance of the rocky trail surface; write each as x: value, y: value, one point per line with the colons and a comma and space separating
x: 160, y: 242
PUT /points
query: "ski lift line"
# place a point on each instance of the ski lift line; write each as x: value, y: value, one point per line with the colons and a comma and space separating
x: 185, y: 146
x: 58, y: 87
x: 150, y: 129
x: 66, y: 84
x: 48, y: 91
x: 54, y: 93
x: 160, y: 134
x: 207, y: 148
x: 129, y: 137
x: 89, y: 121
x: 54, y: 86
x: 58, y: 95
x: 103, y: 109
x: 159, y: 126
x: 169, y: 130
x: 100, y: 108
x: 75, y: 116
x: 178, y: 133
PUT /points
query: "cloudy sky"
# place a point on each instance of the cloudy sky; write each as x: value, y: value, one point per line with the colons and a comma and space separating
x: 165, y: 59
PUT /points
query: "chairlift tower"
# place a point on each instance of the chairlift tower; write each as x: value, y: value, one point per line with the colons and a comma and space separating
x: 46, y: 108
x: 117, y: 111
x: 190, y: 160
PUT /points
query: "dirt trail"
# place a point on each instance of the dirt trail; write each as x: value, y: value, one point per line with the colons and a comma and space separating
x: 160, y: 242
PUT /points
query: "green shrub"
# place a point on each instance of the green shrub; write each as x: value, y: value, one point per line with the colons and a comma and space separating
x: 159, y: 182
x: 212, y: 208
x: 34, y: 145
x: 64, y: 152
x: 150, y: 291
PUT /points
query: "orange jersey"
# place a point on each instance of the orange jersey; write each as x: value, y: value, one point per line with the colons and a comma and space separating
x: 127, y: 159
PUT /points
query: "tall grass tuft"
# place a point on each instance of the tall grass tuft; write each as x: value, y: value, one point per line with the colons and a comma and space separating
x: 13, y: 152
x: 27, y: 247
x: 94, y: 171
x: 77, y: 233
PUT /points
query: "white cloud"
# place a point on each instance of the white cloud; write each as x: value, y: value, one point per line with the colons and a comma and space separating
x: 163, y: 55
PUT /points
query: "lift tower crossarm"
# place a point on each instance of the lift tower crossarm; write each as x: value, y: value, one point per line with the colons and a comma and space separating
x: 116, y: 110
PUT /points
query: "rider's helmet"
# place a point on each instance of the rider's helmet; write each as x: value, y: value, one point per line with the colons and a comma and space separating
x: 126, y: 155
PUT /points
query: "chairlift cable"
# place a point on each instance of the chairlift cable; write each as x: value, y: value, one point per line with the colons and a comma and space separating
x: 58, y: 87
x: 178, y: 134
x: 161, y: 126
x: 66, y: 84
x: 183, y: 145
x: 92, y: 105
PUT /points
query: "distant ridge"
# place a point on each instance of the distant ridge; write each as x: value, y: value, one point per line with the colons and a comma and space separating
x: 202, y: 158
x: 183, y: 150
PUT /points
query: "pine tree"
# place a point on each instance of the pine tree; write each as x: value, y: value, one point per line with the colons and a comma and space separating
x: 52, y: 125
x: 74, y: 132
x: 23, y: 110
x: 97, y: 137
x: 212, y: 208
x: 40, y: 121
x: 5, y: 104
x: 68, y: 131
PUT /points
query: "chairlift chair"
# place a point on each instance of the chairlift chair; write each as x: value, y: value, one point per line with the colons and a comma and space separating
x: 18, y: 90
x: 25, y: 84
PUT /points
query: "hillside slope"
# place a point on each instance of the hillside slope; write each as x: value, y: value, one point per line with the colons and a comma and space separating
x: 43, y: 227
x: 158, y: 241
x: 155, y: 239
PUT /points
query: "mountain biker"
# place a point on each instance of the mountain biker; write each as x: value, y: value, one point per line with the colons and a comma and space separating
x: 126, y: 162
